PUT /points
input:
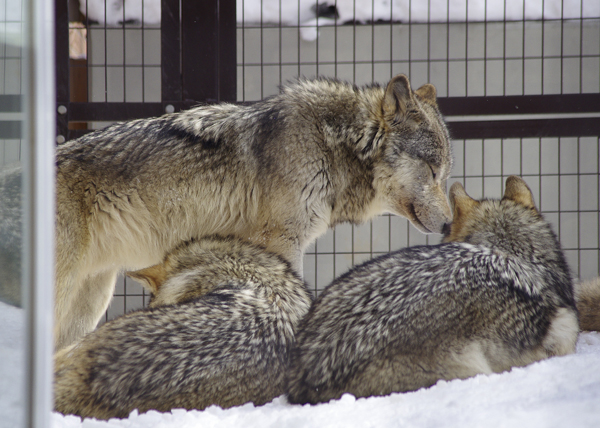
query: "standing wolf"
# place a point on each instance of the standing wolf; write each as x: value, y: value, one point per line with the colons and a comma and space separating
x: 496, y: 294
x: 221, y: 323
x: 277, y: 173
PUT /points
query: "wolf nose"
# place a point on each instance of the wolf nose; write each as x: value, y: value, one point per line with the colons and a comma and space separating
x: 446, y: 229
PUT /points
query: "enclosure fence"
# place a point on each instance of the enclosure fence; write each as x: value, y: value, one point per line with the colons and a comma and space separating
x: 518, y: 82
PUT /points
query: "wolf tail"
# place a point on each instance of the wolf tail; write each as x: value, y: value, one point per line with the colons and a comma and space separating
x: 587, y: 297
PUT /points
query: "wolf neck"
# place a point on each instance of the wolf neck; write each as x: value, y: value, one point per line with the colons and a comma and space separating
x: 348, y: 121
x: 346, y: 115
x: 530, y: 240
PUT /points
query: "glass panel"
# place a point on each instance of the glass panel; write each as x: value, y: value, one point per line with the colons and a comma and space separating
x: 12, y: 316
x: 26, y: 210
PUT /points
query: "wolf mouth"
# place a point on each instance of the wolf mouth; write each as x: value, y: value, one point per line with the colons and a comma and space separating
x: 414, y: 218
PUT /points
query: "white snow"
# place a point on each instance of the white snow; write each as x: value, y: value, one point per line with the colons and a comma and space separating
x: 297, y: 12
x: 12, y: 365
x: 558, y: 392
x: 302, y: 12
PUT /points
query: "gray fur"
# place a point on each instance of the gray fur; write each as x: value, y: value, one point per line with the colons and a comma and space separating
x: 500, y: 297
x: 588, y: 304
x: 225, y: 340
x: 10, y: 234
x: 277, y: 173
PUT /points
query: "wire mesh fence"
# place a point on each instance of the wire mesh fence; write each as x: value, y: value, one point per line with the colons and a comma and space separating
x: 469, y: 49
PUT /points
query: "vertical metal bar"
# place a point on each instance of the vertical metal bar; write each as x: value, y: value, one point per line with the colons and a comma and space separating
x: 354, y: 41
x: 540, y: 170
x: 448, y: 92
x: 170, y: 62
x: 316, y: 41
x: 543, y: 41
x: 504, y: 51
x: 298, y: 38
x: 316, y: 268
x: 483, y: 167
x: 280, y: 46
x: 143, y: 36
x: 523, y: 53
x: 243, y: 21
x: 391, y: 42
x: 335, y: 45
x: 578, y: 206
x: 562, y: 47
x: 39, y: 207
x: 558, y: 208
x: 428, y: 40
x: 124, y: 68
x: 208, y: 50
x: 106, y: 65
x: 262, y: 66
x: 466, y: 48
x: 61, y: 33
x: 409, y: 39
x: 227, y: 51
x: 199, y: 24
x: 373, y: 41
x: 597, y: 201
x: 581, y: 21
x: 485, y: 42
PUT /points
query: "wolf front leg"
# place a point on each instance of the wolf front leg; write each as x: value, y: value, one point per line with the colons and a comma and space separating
x: 81, y: 311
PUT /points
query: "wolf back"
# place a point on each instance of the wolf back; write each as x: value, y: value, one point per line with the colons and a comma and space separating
x: 498, y: 297
x: 219, y: 331
x: 277, y: 173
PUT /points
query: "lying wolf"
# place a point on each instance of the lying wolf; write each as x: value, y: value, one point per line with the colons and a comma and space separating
x: 277, y: 173
x: 218, y: 331
x: 497, y: 294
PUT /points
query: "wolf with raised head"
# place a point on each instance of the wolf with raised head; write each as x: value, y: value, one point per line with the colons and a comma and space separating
x: 218, y: 331
x: 496, y: 294
x: 277, y: 173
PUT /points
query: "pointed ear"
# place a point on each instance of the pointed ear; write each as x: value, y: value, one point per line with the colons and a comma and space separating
x: 517, y: 190
x: 461, y: 203
x: 427, y: 93
x: 151, y: 278
x: 397, y: 96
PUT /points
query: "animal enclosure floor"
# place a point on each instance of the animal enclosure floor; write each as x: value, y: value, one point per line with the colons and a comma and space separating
x: 559, y: 392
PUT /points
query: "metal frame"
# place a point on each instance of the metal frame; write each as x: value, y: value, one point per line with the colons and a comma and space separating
x: 39, y: 202
x: 198, y: 65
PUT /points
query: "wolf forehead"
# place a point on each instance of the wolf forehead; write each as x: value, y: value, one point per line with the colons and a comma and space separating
x: 431, y: 139
x: 428, y: 146
x: 428, y: 138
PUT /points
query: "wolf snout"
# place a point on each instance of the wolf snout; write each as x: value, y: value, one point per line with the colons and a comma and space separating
x: 436, y: 222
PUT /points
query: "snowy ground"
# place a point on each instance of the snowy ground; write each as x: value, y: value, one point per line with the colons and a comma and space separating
x: 559, y: 392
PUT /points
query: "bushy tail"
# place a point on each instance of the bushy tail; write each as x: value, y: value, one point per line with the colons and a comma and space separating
x: 587, y: 296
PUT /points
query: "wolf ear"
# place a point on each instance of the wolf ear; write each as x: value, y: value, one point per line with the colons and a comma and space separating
x: 517, y: 190
x: 428, y: 94
x: 461, y: 203
x: 397, y: 96
x: 151, y: 278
